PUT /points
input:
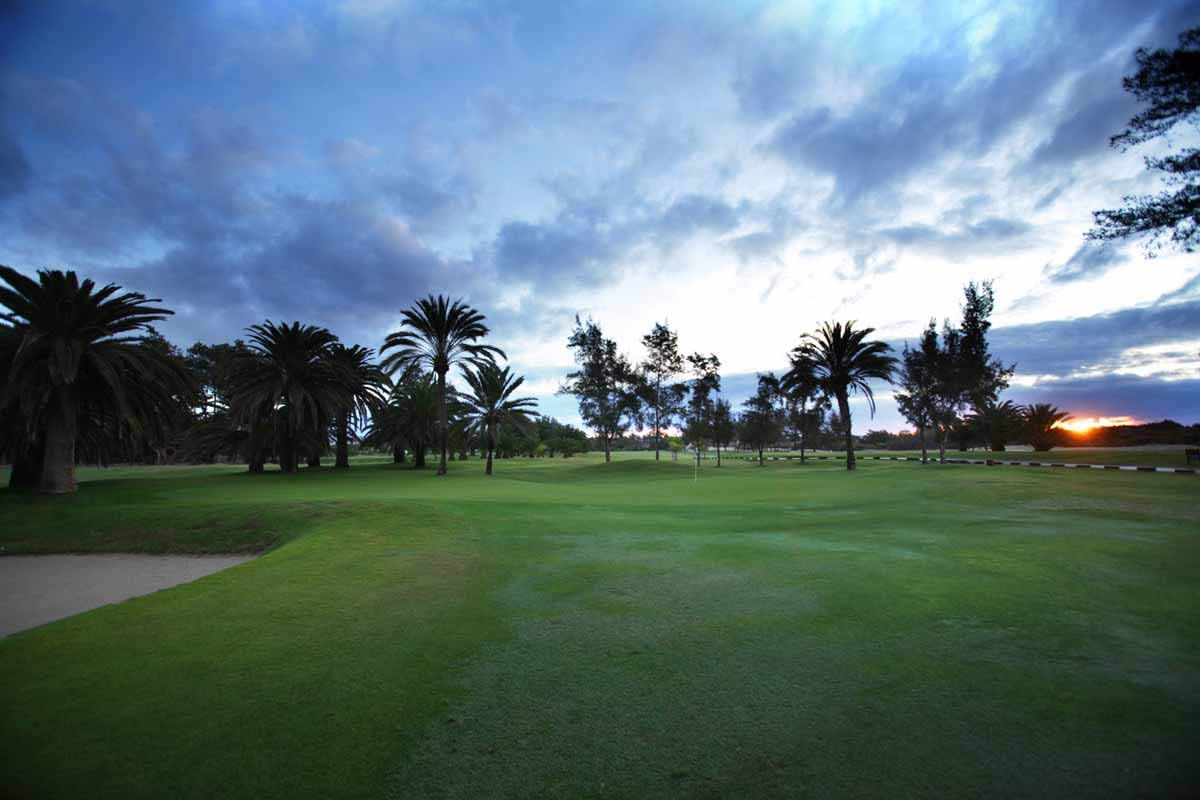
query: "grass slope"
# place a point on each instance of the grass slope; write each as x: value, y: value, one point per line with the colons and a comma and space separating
x: 576, y: 629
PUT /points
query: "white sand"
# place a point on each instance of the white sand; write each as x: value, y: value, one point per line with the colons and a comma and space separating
x: 35, y: 590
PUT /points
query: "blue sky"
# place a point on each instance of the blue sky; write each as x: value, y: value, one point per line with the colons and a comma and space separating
x: 742, y: 171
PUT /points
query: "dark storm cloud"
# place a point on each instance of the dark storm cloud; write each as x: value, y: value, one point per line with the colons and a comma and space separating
x: 775, y: 223
x: 1062, y: 347
x: 976, y: 238
x: 1091, y: 260
x: 884, y: 139
x: 231, y: 252
x: 555, y: 256
x: 942, y: 103
x: 1147, y: 399
x: 694, y: 213
x: 342, y: 266
x: 584, y: 244
x: 769, y: 75
x: 15, y: 169
x: 1097, y: 111
x: 426, y: 201
x: 140, y: 190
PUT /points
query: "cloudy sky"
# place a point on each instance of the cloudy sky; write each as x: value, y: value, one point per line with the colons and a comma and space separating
x: 741, y: 171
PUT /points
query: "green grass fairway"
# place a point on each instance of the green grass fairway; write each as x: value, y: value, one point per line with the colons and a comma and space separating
x: 576, y: 629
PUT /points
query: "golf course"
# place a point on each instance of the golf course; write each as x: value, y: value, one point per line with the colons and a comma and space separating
x: 571, y: 628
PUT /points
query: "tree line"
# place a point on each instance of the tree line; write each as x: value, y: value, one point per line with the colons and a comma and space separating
x: 948, y: 386
x: 669, y: 388
x: 87, y: 378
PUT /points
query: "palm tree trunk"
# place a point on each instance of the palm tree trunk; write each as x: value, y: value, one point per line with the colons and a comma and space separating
x: 443, y: 423
x: 287, y: 446
x: 342, y: 461
x: 491, y: 443
x: 58, y: 466
x: 27, y: 466
x: 844, y: 410
x: 803, y: 429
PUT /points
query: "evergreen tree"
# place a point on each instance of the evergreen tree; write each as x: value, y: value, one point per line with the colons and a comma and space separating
x: 705, y: 383
x: 1168, y: 81
x: 605, y: 384
x: 663, y: 397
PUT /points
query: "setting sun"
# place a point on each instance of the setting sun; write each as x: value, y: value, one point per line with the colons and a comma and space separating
x: 1085, y: 424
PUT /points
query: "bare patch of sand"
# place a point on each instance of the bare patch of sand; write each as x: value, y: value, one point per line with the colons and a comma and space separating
x: 35, y: 590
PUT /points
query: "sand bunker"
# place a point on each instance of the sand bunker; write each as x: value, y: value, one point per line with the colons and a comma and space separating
x: 35, y: 590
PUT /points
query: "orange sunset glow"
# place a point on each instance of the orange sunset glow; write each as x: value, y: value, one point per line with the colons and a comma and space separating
x: 1085, y: 424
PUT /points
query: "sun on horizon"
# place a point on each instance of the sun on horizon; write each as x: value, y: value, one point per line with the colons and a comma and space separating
x: 1086, y: 424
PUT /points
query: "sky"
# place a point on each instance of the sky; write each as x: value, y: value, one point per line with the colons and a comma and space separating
x: 740, y: 171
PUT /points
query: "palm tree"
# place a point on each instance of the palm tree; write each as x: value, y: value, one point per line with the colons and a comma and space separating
x: 387, y: 431
x: 289, y: 369
x: 997, y: 423
x: 437, y: 335
x: 843, y: 361
x: 1040, y: 420
x: 799, y: 386
x: 490, y: 403
x: 76, y: 361
x: 364, y: 389
x: 221, y: 435
x: 418, y: 402
x: 409, y: 419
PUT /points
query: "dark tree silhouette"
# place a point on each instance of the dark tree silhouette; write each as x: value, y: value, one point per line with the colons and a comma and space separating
x: 843, y: 361
x: 364, y: 389
x: 663, y: 396
x: 723, y: 426
x: 943, y: 377
x: 490, y: 404
x: 288, y: 380
x: 77, y: 367
x: 437, y: 334
x: 410, y: 419
x: 1040, y: 419
x: 760, y: 421
x: 980, y: 376
x: 918, y: 378
x: 701, y: 404
x: 1168, y: 81
x: 605, y: 384
x: 21, y: 445
x: 806, y: 404
x: 997, y: 424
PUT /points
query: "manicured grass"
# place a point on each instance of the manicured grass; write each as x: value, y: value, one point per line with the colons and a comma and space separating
x: 576, y: 629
